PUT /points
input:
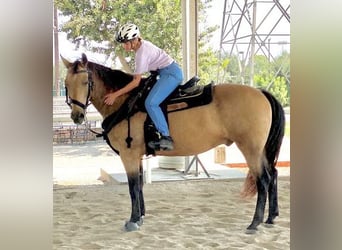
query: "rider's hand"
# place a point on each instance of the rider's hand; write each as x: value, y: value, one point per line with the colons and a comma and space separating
x: 110, y: 98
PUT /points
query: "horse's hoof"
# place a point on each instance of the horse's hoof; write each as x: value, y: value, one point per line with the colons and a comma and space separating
x: 141, y: 221
x: 251, y: 231
x: 268, y: 225
x: 270, y: 221
x: 131, y: 226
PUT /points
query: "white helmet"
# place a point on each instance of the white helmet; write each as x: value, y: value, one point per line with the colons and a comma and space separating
x: 127, y: 32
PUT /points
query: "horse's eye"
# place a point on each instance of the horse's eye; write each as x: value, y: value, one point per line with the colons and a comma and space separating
x: 85, y: 83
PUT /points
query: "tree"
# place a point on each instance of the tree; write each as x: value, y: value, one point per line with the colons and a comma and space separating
x: 62, y: 71
x: 208, y: 62
x: 98, y: 21
x: 160, y: 21
x: 274, y: 76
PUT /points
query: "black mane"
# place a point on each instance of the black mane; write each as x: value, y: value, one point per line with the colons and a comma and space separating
x: 112, y: 78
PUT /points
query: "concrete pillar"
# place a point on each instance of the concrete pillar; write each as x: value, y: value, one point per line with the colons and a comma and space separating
x: 190, y: 42
x: 190, y: 38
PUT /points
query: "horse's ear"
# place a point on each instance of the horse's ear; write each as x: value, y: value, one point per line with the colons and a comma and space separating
x: 66, y: 62
x: 84, y: 59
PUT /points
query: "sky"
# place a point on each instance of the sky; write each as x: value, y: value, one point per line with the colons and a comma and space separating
x: 214, y: 17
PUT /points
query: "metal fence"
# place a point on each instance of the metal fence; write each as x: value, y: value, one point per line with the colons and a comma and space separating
x: 66, y: 132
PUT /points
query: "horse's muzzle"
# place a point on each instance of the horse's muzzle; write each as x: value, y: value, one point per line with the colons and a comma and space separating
x: 77, y: 116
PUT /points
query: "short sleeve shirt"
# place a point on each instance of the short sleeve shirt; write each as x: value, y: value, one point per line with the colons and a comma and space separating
x: 150, y: 58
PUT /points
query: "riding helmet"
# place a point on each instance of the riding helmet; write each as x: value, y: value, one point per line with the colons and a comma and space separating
x: 127, y: 32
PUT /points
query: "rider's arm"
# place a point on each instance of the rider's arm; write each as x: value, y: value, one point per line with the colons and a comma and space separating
x: 110, y: 98
x: 133, y: 84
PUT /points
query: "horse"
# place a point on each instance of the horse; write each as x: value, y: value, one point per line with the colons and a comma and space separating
x: 251, y: 118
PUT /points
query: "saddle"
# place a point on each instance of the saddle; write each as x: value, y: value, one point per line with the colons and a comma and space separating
x: 185, y: 96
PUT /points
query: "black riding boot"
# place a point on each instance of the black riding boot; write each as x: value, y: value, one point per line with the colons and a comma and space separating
x: 165, y: 143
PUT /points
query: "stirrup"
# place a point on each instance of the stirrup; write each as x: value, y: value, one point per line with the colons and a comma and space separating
x: 165, y: 143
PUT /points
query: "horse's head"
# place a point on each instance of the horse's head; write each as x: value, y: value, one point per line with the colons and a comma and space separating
x: 78, y: 86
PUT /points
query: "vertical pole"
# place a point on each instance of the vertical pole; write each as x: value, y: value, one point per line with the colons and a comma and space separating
x: 190, y: 38
x: 148, y: 173
x: 56, y: 50
x: 193, y: 39
x: 251, y: 58
x: 190, y: 41
x: 185, y: 37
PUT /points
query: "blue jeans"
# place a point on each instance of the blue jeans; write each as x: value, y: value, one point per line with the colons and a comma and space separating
x: 169, y: 78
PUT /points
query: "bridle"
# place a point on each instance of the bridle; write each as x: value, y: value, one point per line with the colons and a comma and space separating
x: 70, y: 101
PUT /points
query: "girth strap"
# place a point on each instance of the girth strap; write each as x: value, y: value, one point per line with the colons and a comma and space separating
x: 129, y: 139
x: 125, y: 112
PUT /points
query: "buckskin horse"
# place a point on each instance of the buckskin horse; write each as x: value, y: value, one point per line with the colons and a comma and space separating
x: 249, y: 117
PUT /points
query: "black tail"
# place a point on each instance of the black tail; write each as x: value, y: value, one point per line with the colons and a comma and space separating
x: 275, y: 137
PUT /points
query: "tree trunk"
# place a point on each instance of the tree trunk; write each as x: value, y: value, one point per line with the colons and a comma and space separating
x: 124, y: 64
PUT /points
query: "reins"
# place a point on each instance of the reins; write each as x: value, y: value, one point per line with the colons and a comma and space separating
x: 87, y: 124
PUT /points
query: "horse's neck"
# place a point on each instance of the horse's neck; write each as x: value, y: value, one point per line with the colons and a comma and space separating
x: 100, y: 89
x: 97, y: 99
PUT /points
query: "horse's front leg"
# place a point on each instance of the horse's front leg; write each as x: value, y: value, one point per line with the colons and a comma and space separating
x: 134, y: 171
x: 135, y: 191
x: 141, y: 195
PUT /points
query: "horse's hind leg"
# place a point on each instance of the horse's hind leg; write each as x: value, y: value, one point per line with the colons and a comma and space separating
x: 262, y: 183
x: 273, y: 197
x: 258, y: 175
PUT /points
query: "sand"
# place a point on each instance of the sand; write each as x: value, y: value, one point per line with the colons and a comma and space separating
x: 201, y: 214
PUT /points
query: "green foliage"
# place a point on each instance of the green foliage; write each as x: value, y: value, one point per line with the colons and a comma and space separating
x: 276, y: 85
x: 208, y: 62
x: 233, y: 70
x: 159, y: 21
x: 268, y: 75
x: 273, y: 76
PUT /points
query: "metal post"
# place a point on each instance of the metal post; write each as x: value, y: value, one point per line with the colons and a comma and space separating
x: 252, y: 52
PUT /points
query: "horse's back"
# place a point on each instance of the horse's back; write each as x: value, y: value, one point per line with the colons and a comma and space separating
x: 244, y: 111
x: 240, y: 96
x: 237, y: 113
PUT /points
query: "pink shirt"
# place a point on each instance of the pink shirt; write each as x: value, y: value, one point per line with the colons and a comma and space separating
x: 149, y: 57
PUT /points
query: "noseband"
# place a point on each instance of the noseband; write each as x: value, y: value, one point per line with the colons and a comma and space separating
x: 70, y: 101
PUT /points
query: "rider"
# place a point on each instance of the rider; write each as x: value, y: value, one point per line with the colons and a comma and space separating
x: 148, y: 57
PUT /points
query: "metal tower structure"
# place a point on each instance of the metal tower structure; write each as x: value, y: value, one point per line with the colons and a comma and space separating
x: 254, y: 27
